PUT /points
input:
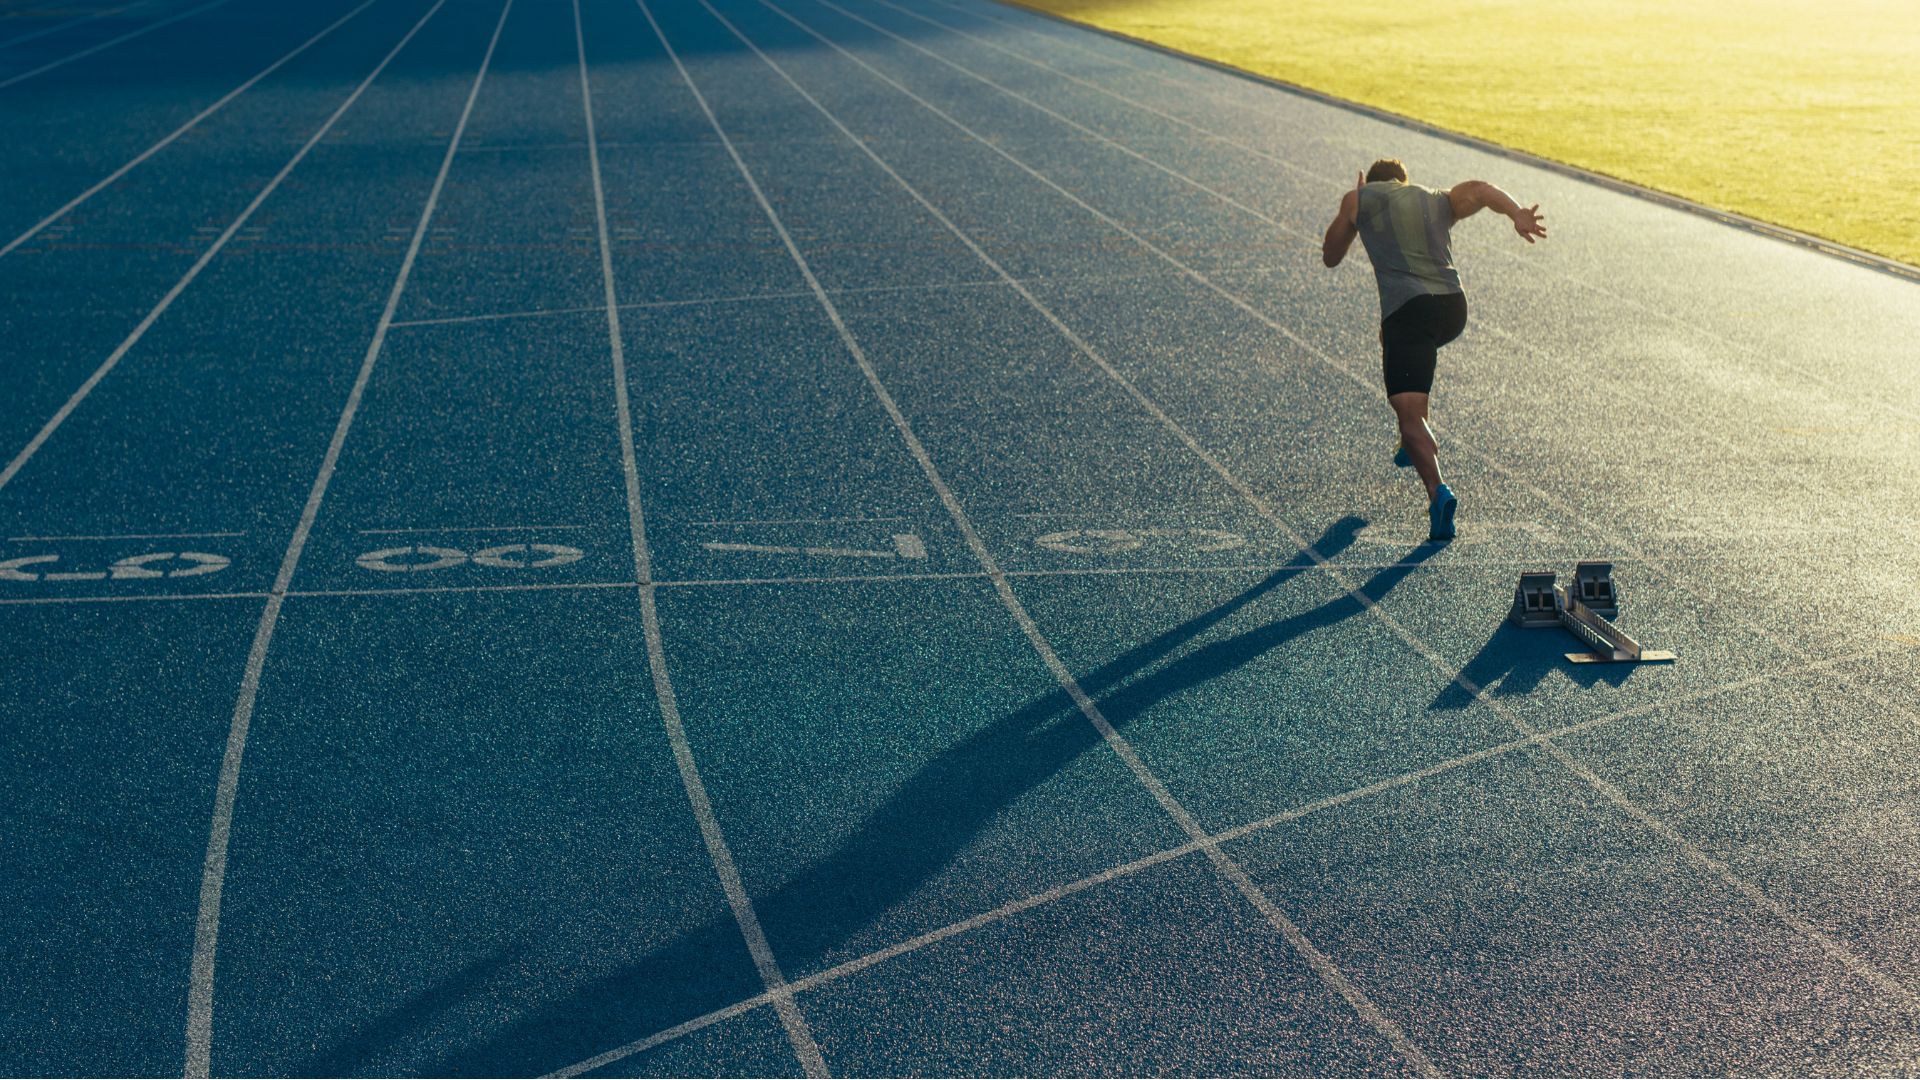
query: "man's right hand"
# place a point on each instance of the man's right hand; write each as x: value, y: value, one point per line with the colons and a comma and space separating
x: 1527, y: 222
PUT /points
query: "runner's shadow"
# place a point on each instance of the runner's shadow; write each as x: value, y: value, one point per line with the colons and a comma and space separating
x: 901, y: 847
x: 941, y: 809
x: 1221, y: 657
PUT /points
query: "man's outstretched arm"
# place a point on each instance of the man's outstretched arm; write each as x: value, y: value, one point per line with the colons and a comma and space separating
x: 1469, y: 196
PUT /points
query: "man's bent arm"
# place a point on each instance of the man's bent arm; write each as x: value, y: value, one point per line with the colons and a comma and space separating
x: 1469, y: 196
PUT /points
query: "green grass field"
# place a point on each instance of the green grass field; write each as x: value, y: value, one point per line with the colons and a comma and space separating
x: 1804, y: 113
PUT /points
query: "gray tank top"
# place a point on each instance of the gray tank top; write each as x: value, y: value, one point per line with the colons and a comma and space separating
x: 1404, y: 229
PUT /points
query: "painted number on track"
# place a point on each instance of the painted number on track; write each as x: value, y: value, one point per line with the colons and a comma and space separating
x: 422, y: 557
x: 152, y: 565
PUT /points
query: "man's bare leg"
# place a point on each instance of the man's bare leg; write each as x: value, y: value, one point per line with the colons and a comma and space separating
x: 1411, y: 410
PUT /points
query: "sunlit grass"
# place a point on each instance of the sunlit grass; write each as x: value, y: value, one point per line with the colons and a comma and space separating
x: 1804, y: 113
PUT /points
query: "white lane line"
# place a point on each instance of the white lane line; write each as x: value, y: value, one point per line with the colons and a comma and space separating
x: 698, y: 301
x: 132, y: 536
x: 1254, y: 568
x: 547, y: 586
x: 659, y: 1038
x: 1769, y: 358
x: 747, y: 298
x: 1328, y: 972
x: 822, y: 579
x: 128, y: 599
x: 129, y: 36
x: 199, y: 1033
x: 1060, y: 892
x: 474, y: 529
x: 123, y: 170
x: 799, y: 1034
x: 495, y: 316
x: 638, y: 305
x: 193, y: 273
x: 298, y: 594
x: 825, y: 552
x: 804, y: 521
x: 68, y: 24
x: 1859, y: 965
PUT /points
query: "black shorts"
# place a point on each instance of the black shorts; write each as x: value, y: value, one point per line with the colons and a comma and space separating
x: 1411, y: 337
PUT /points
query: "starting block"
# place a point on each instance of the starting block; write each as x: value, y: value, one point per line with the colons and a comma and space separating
x: 1584, y: 608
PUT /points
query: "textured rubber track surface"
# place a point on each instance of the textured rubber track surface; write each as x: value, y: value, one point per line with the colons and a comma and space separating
x: 955, y: 613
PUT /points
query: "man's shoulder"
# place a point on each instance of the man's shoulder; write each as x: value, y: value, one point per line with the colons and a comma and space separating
x: 1440, y: 202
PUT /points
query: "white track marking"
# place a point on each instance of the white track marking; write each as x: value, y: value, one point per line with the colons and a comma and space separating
x: 537, y: 313
x: 822, y: 579
x: 199, y: 1033
x: 1565, y: 507
x: 176, y: 133
x: 38, y: 600
x: 473, y: 529
x: 632, y: 305
x: 193, y: 272
x: 744, y: 298
x: 1853, y: 961
x: 133, y: 536
x: 905, y: 546
x: 659, y: 1038
x: 129, y: 36
x: 295, y: 594
x: 1285, y: 817
x: 1328, y: 972
x: 805, y: 1048
x: 804, y: 521
x: 551, y: 586
x: 69, y: 24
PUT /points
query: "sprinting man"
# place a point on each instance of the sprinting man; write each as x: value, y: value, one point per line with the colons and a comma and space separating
x: 1404, y: 228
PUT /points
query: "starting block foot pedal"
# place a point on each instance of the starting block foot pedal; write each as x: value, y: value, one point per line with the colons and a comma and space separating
x: 1533, y: 602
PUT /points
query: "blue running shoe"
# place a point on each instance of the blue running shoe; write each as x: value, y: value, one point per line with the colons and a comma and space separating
x: 1401, y: 458
x: 1440, y: 512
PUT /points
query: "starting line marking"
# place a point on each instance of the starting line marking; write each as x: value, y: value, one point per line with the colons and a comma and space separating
x: 1116, y: 541
x: 905, y: 546
x: 468, y: 528
x: 127, y: 536
x: 1471, y: 532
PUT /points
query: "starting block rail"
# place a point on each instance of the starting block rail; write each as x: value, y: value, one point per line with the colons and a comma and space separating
x: 1584, y: 608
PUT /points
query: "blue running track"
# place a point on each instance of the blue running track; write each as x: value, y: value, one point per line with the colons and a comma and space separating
x: 682, y: 537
